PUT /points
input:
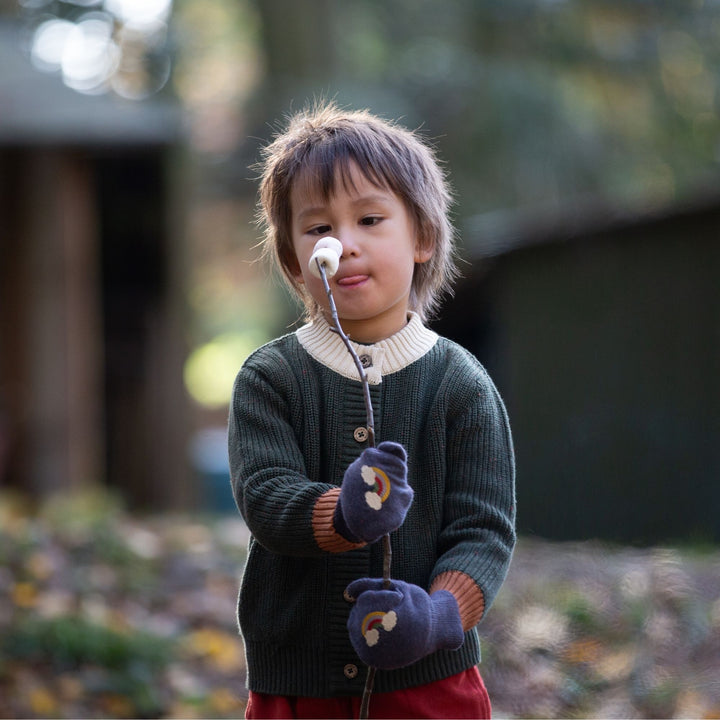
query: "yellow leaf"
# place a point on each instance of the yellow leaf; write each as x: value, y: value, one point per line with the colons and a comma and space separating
x: 583, y: 651
x: 42, y: 703
x: 224, y: 702
x: 617, y: 665
x: 24, y: 594
x: 220, y: 648
x: 118, y: 706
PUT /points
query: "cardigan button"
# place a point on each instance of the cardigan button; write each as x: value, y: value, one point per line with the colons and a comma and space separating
x: 350, y: 671
x: 366, y: 360
x: 360, y: 434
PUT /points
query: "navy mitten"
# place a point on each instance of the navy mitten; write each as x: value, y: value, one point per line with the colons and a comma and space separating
x: 374, y: 495
x: 392, y: 628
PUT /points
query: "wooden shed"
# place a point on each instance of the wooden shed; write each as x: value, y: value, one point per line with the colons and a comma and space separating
x: 91, y: 290
x: 602, y: 330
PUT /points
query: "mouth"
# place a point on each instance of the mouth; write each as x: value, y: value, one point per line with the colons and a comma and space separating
x: 352, y: 280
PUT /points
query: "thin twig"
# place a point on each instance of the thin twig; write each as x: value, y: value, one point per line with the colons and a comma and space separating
x: 361, y: 370
x: 387, y: 549
x: 367, y: 692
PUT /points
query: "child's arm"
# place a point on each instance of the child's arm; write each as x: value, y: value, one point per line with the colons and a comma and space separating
x: 268, y: 472
x: 286, y: 511
x: 478, y: 534
x: 475, y: 547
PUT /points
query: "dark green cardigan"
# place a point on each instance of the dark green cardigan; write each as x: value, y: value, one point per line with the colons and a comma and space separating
x: 292, y: 428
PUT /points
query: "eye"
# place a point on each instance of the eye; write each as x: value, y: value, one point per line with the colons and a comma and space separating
x: 370, y: 220
x: 320, y: 230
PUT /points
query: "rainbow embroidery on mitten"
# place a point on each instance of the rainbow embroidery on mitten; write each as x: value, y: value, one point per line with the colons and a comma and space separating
x: 380, y: 484
x: 372, y: 623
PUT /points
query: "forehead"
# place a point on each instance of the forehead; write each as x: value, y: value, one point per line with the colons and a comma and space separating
x: 318, y: 184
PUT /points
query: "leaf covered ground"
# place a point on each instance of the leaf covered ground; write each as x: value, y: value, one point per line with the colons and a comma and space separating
x: 106, y: 614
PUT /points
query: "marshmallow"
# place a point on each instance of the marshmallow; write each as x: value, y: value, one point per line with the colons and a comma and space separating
x: 328, y: 258
x: 327, y: 252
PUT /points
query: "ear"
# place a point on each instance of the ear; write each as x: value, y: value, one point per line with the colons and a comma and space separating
x: 423, y: 252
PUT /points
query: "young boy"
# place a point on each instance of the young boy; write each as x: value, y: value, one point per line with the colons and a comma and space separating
x: 312, y: 607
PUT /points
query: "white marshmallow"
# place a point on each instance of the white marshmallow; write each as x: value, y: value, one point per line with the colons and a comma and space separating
x: 327, y: 251
x: 328, y: 258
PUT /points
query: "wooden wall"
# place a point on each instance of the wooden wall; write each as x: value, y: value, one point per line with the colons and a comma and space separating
x: 91, y: 325
x: 606, y: 347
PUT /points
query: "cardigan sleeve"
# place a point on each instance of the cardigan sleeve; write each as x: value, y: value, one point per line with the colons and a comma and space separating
x: 478, y: 534
x: 286, y: 511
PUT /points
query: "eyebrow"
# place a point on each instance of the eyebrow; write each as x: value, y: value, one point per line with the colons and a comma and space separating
x: 362, y: 200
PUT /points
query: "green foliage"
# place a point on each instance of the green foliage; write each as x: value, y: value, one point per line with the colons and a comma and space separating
x: 531, y: 102
x: 127, y: 664
x: 107, y: 615
x: 69, y: 642
x: 581, y: 614
x: 542, y: 106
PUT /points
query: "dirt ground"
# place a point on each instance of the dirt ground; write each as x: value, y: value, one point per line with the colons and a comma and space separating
x: 593, y: 630
x: 103, y: 614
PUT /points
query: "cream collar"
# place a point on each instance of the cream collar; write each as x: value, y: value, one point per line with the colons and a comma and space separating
x: 382, y: 358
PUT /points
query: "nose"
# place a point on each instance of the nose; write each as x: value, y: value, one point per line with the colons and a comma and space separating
x: 349, y: 242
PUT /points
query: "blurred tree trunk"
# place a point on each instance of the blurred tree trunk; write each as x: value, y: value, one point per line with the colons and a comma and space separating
x: 297, y: 38
x: 52, y: 355
x: 8, y: 7
x: 299, y: 52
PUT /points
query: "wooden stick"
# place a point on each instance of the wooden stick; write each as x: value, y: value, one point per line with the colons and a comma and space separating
x: 387, y: 549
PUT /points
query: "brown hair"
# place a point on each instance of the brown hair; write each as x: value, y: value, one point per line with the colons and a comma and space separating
x: 317, y: 147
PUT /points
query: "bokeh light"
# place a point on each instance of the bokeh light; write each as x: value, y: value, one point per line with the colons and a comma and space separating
x: 211, y: 368
x: 118, y: 45
x: 140, y: 12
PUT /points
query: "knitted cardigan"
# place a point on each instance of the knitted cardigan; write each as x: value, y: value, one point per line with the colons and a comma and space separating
x: 297, y: 420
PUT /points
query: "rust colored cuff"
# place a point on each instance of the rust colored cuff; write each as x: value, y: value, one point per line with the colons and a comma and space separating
x: 470, y: 598
x: 323, y: 528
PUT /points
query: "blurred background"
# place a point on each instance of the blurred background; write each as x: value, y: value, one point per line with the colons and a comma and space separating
x: 583, y: 143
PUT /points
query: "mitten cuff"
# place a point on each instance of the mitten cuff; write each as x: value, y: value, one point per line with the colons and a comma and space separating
x: 470, y: 598
x: 324, y: 530
x: 341, y: 527
x: 447, y: 630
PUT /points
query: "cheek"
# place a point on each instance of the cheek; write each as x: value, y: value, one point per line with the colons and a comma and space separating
x: 289, y: 260
x: 404, y: 261
x: 313, y: 286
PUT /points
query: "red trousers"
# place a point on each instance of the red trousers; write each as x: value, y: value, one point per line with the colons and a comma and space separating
x: 460, y: 696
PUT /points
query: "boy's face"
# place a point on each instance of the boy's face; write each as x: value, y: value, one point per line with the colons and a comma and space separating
x: 371, y: 288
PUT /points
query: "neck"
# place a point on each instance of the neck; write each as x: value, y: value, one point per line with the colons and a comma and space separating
x: 368, y: 333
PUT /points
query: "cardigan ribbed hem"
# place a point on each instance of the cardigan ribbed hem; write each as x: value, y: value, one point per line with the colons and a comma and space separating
x: 311, y: 672
x: 383, y: 358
